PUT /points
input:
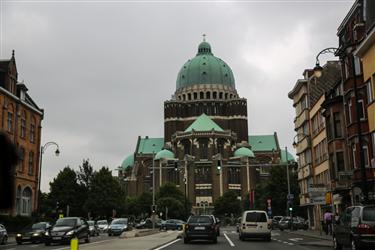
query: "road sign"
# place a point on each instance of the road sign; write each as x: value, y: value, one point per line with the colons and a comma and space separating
x: 290, y: 196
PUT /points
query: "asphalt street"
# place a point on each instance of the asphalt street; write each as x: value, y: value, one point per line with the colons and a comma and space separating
x: 167, y: 241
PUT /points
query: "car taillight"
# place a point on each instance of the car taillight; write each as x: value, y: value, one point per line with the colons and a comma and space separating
x: 243, y: 226
x: 186, y: 227
x: 269, y: 226
x: 365, y: 229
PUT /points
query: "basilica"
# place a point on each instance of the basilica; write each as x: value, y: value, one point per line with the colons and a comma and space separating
x: 206, y: 149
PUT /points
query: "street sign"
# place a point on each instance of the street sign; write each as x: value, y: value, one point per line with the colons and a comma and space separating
x: 318, y: 200
x: 290, y: 196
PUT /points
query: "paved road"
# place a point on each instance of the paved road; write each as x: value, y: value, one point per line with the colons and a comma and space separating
x: 229, y: 241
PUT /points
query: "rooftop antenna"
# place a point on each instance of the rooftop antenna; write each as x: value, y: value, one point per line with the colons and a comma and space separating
x: 204, y: 37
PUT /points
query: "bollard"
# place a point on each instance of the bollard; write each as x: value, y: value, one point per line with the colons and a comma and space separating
x: 74, y: 244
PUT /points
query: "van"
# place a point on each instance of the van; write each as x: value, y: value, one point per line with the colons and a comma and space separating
x: 255, y: 224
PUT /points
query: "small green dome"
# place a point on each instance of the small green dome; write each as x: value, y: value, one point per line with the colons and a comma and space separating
x: 205, y: 68
x: 128, y: 162
x: 244, y: 152
x: 164, y: 154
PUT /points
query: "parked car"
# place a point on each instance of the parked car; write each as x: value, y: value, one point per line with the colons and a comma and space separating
x: 275, y: 221
x: 148, y: 224
x: 93, y: 228
x: 201, y: 227
x: 300, y: 223
x: 355, y: 228
x: 238, y: 224
x: 217, y: 224
x: 255, y: 224
x: 3, y: 235
x: 102, y: 225
x: 172, y: 224
x: 67, y: 228
x: 32, y: 233
x: 118, y: 226
x: 284, y: 223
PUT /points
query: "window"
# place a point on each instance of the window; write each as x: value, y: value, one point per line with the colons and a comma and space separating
x: 23, y: 127
x: 203, y: 148
x: 26, y: 201
x: 337, y: 125
x: 370, y: 97
x: 357, y: 66
x: 32, y: 131
x: 10, y: 121
x: 350, y: 110
x: 361, y: 109
x: 365, y: 156
x: 202, y: 175
x: 340, y: 161
x: 31, y: 163
x: 234, y: 176
x: 353, y: 156
x: 22, y: 159
x: 173, y: 176
x: 18, y: 200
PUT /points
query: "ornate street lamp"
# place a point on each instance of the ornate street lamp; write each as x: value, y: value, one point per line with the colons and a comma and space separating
x: 42, y: 150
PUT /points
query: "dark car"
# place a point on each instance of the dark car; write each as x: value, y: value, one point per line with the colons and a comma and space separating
x: 355, y: 228
x: 93, y: 228
x: 67, y: 228
x: 118, y: 226
x: 284, y: 223
x: 172, y: 225
x: 3, y: 235
x: 148, y: 224
x: 217, y: 224
x: 275, y: 221
x: 32, y: 233
x: 200, y: 227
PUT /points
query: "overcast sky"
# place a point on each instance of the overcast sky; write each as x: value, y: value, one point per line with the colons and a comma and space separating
x: 102, y: 70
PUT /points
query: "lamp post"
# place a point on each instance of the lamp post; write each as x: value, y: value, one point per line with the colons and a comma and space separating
x: 42, y: 150
x: 318, y: 72
x: 153, y: 187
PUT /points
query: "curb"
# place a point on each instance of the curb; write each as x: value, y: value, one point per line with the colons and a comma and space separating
x: 315, y: 244
x: 310, y: 236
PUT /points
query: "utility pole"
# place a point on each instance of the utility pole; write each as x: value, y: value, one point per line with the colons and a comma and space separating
x: 153, y: 187
x: 288, y: 181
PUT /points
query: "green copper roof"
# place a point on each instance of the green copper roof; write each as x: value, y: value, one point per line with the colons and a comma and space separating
x: 205, y: 68
x: 164, y: 154
x: 203, y: 123
x: 262, y: 142
x: 146, y: 145
x: 283, y: 156
x: 244, y: 152
x: 128, y: 162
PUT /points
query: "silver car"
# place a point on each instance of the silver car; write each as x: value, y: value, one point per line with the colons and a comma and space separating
x: 3, y: 235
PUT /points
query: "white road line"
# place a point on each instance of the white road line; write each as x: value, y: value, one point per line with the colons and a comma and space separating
x: 290, y: 244
x: 233, y: 232
x: 84, y: 245
x: 230, y: 242
x: 285, y: 242
x: 168, y: 244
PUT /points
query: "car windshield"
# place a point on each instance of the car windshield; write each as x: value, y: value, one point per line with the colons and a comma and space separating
x: 91, y: 223
x: 38, y: 226
x: 102, y: 222
x: 369, y: 214
x: 200, y: 219
x: 66, y: 222
x: 285, y: 219
x: 256, y: 217
x: 119, y: 221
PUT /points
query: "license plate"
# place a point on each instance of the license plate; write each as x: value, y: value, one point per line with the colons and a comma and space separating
x: 199, y: 228
x: 56, y: 238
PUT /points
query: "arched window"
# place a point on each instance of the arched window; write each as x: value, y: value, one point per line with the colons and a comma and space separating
x: 18, y: 200
x: 184, y: 97
x: 26, y: 201
x: 203, y: 148
x: 214, y: 95
x: 221, y: 95
x: 208, y: 95
x: 201, y: 95
x: 189, y: 97
x: 226, y: 96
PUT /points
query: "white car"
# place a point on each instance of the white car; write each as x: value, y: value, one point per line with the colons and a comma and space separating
x: 255, y: 224
x: 3, y: 235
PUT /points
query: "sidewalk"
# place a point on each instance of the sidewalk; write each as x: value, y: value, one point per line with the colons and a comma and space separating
x: 323, y: 239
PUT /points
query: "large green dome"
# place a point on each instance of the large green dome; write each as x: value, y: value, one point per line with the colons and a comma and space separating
x: 205, y: 68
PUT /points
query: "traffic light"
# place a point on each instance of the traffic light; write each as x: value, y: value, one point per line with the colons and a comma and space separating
x: 219, y: 165
x: 175, y: 166
x: 290, y: 209
x: 153, y: 208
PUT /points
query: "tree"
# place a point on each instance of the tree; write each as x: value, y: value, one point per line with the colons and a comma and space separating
x: 105, y: 195
x: 175, y: 207
x: 85, y: 174
x: 276, y: 189
x: 65, y: 190
x: 145, y: 202
x: 169, y: 190
x: 228, y: 204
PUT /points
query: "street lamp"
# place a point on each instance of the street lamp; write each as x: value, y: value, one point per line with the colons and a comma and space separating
x: 42, y: 150
x: 153, y: 187
x: 318, y: 72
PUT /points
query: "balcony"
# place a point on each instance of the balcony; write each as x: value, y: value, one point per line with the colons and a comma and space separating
x: 302, y: 145
x: 303, y: 116
x: 305, y: 172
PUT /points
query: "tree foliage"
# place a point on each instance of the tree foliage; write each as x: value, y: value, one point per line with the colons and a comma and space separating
x: 227, y: 205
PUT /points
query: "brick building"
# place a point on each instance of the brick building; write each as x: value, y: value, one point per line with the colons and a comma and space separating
x: 20, y: 119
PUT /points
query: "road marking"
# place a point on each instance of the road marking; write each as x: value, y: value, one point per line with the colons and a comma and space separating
x: 84, y: 245
x: 275, y: 234
x: 233, y: 232
x: 290, y: 244
x: 230, y: 242
x: 295, y: 239
x: 168, y: 244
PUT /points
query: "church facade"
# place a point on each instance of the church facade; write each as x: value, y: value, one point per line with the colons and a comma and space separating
x: 206, y: 149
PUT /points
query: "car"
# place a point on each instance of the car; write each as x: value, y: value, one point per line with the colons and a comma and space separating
x: 217, y: 224
x: 355, y: 228
x: 102, y: 225
x: 172, y: 224
x: 275, y: 221
x: 284, y: 223
x: 148, y: 224
x: 300, y: 223
x: 255, y: 224
x: 67, y: 228
x: 32, y: 233
x: 3, y: 235
x: 93, y: 228
x: 200, y: 227
x: 118, y: 226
